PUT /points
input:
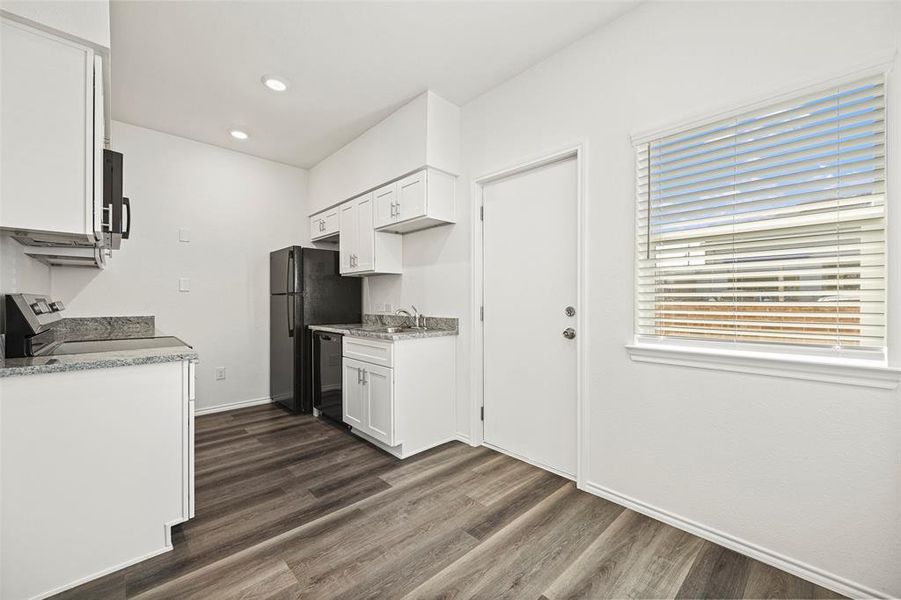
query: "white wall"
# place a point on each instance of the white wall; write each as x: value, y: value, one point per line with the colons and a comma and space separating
x: 805, y: 470
x: 238, y: 209
x: 20, y: 273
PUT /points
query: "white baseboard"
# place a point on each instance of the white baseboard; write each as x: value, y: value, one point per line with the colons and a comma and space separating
x: 102, y: 573
x: 563, y: 474
x: 818, y: 576
x: 209, y: 410
x: 465, y: 439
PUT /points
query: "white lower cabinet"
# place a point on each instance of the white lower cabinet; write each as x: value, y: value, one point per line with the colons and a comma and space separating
x: 101, y: 450
x: 402, y: 398
x: 369, y: 399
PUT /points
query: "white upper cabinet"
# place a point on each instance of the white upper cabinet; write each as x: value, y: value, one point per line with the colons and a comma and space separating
x: 51, y: 118
x: 325, y: 224
x: 422, y: 200
x: 364, y: 251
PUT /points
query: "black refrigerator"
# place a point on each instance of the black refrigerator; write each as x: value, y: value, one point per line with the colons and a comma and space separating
x: 305, y: 288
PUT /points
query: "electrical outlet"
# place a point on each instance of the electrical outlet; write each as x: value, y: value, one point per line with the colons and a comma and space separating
x: 387, y: 308
x: 184, y: 235
x: 220, y: 373
x: 184, y: 284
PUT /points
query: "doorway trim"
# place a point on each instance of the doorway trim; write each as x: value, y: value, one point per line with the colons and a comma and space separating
x: 577, y: 151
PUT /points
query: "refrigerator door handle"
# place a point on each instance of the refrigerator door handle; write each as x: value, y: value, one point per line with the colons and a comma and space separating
x: 289, y: 314
x: 289, y: 283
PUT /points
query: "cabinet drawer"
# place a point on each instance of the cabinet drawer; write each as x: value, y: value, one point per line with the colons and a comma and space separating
x: 372, y: 351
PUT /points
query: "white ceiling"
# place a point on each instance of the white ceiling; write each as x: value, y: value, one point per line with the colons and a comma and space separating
x: 193, y: 68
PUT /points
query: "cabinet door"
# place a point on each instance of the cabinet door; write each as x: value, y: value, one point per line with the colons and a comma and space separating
x: 352, y: 394
x: 385, y: 198
x: 378, y: 394
x: 411, y: 197
x: 365, y: 250
x: 317, y: 226
x: 348, y: 243
x: 331, y: 221
x: 47, y: 119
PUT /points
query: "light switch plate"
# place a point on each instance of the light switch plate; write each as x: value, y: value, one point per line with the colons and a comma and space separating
x: 184, y: 284
x: 220, y: 373
x: 184, y: 235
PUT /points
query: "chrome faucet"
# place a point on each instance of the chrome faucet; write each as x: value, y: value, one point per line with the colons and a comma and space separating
x: 416, y: 317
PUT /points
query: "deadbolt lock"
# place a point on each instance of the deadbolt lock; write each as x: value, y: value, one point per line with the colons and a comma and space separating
x: 570, y: 311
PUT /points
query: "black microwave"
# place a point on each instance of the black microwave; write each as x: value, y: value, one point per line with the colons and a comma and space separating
x: 116, y: 209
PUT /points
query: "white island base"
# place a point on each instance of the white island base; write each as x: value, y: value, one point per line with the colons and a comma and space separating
x: 97, y: 466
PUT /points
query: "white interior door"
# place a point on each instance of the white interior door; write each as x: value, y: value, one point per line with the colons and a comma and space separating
x: 529, y: 279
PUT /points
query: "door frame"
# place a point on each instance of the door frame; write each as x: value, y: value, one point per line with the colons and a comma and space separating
x: 578, y: 152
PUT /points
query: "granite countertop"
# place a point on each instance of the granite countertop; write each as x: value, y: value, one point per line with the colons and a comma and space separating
x: 102, y: 328
x: 435, y: 327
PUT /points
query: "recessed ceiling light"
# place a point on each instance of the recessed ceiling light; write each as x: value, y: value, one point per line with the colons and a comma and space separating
x: 238, y: 134
x: 275, y: 84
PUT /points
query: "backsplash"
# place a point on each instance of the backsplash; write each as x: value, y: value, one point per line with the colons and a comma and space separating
x: 87, y: 328
x: 448, y: 323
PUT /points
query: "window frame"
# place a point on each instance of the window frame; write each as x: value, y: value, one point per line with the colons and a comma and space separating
x: 869, y: 368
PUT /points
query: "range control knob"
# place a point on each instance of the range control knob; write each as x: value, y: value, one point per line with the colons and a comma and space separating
x: 36, y: 308
x: 57, y: 306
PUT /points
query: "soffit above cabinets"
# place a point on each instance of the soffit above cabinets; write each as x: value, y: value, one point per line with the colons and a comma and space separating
x: 425, y: 132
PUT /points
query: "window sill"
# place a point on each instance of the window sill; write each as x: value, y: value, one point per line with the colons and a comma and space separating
x: 864, y: 373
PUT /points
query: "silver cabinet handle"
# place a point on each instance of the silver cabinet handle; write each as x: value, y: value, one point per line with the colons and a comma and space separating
x: 569, y: 333
x: 397, y: 209
x: 392, y: 208
x: 359, y: 375
x: 365, y: 378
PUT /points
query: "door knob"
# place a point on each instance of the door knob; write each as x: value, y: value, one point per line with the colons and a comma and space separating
x: 569, y: 333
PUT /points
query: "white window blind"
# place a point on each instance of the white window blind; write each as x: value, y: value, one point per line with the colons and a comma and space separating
x: 768, y: 227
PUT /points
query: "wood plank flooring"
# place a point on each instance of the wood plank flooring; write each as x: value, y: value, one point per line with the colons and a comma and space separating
x: 289, y: 507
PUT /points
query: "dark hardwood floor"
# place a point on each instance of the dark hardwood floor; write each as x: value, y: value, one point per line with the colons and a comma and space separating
x: 290, y: 507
